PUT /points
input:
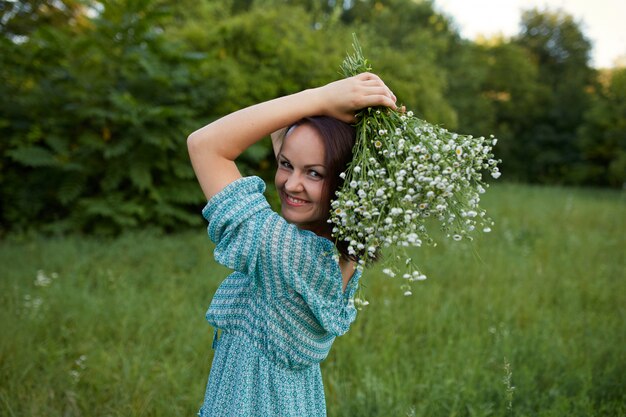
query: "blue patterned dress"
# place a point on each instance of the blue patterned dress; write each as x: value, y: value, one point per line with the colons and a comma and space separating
x: 278, y: 313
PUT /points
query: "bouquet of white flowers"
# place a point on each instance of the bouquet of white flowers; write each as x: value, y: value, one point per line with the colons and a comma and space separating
x: 404, y: 171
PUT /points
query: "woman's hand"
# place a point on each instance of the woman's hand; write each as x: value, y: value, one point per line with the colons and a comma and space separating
x: 341, y: 99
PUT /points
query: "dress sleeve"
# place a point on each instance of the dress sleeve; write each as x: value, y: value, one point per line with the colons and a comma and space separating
x: 236, y: 216
x: 253, y: 239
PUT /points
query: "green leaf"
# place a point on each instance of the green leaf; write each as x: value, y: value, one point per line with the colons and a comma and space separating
x: 34, y: 156
x: 140, y: 175
x: 71, y: 188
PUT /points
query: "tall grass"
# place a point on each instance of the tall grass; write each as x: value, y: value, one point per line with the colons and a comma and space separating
x: 526, y: 321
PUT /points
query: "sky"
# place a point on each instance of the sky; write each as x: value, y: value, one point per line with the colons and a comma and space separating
x: 602, y: 21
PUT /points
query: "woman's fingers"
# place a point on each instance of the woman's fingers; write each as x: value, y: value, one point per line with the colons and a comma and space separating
x: 340, y: 99
x: 382, y: 100
x: 367, y: 76
x: 379, y: 86
x: 373, y: 81
x: 369, y: 91
x: 378, y: 97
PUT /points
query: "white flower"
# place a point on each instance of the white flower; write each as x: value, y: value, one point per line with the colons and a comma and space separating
x: 487, y: 229
x: 457, y: 237
x: 496, y: 174
x: 357, y: 169
x: 359, y: 302
x: 42, y: 280
x: 412, y: 238
x: 342, y: 175
x: 389, y: 272
x: 353, y: 184
x: 419, y: 277
x: 408, y: 293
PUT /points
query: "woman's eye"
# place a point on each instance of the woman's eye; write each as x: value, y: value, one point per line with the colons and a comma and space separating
x: 285, y: 164
x: 315, y: 174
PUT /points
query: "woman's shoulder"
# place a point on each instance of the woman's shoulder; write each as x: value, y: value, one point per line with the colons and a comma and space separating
x: 233, y: 193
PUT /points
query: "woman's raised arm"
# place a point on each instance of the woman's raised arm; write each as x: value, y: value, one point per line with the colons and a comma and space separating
x: 214, y: 148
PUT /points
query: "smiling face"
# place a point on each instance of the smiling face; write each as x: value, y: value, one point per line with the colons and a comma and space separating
x: 300, y: 179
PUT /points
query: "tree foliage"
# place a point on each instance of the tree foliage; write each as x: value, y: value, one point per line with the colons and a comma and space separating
x: 561, y: 52
x: 602, y: 136
x: 94, y: 123
x: 99, y: 96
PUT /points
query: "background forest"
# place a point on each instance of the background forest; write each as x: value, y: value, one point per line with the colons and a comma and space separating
x: 98, y: 97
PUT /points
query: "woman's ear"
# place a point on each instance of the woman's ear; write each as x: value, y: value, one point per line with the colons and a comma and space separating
x: 277, y: 140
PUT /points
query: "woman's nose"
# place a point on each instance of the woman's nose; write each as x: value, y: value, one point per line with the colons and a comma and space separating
x: 294, y: 183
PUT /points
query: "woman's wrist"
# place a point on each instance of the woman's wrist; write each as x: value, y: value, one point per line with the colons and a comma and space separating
x: 313, y: 102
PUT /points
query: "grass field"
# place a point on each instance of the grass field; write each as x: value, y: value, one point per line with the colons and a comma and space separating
x: 529, y: 320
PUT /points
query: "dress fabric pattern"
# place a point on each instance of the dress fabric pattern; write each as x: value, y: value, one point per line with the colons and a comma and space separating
x: 278, y: 313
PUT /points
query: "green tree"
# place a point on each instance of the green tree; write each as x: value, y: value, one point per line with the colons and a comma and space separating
x: 467, y: 68
x: 561, y: 52
x: 602, y: 137
x: 512, y: 87
x: 256, y: 55
x: 18, y: 19
x: 95, y: 127
x: 407, y: 42
x: 493, y: 86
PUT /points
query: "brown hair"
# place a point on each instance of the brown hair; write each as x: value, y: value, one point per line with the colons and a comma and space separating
x: 339, y: 139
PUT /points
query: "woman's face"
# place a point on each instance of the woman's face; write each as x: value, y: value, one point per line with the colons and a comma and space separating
x: 300, y: 179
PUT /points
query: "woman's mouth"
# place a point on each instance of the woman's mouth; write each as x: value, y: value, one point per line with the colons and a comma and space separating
x: 292, y: 201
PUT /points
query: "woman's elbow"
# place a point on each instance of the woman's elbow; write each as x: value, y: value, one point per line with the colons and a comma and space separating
x: 192, y: 138
x: 195, y: 143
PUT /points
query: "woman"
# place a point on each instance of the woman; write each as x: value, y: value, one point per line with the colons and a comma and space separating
x: 290, y: 294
